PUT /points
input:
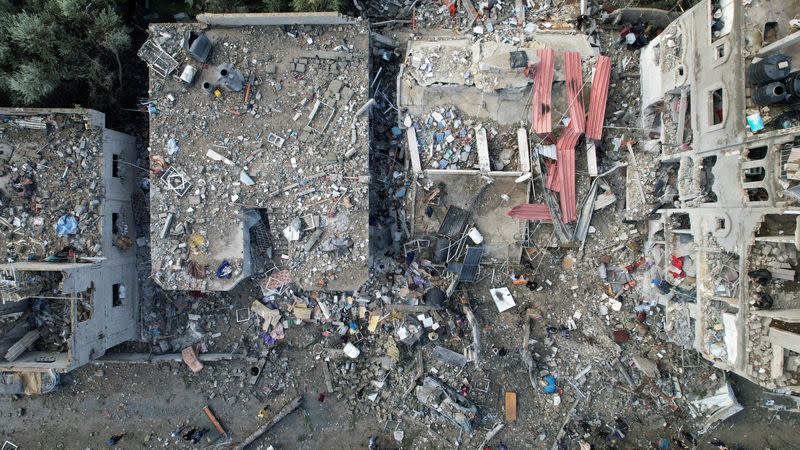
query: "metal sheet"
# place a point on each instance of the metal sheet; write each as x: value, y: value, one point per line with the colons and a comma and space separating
x: 530, y: 211
x: 472, y: 262
x: 541, y: 102
x: 598, y: 98
x: 574, y: 76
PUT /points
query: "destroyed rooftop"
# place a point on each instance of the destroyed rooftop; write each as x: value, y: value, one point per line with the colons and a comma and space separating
x: 297, y: 141
x: 52, y: 168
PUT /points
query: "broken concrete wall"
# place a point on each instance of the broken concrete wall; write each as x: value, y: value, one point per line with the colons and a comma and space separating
x: 240, y: 20
x: 93, y: 117
x: 109, y: 287
x: 476, y: 78
x: 684, y: 58
x: 502, y: 106
x: 110, y: 324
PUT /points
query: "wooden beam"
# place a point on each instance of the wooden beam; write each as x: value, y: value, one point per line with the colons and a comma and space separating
x: 511, y: 406
x: 294, y: 404
x: 22, y: 345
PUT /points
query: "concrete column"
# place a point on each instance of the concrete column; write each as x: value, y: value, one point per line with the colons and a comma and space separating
x: 524, y: 152
x: 591, y: 158
x: 483, y: 150
x: 413, y: 149
x: 776, y: 365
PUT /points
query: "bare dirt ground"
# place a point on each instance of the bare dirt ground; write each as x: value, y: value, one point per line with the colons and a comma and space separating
x: 148, y: 402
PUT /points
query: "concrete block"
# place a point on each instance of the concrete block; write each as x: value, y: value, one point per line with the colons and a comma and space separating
x: 785, y: 339
x: 346, y: 95
x: 335, y: 87
x: 776, y: 365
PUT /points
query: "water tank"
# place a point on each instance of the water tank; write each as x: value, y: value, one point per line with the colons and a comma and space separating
x: 793, y: 87
x: 772, y: 93
x: 771, y: 68
x: 434, y: 297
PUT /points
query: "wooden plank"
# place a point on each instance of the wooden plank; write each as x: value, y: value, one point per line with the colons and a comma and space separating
x: 21, y: 345
x: 511, y: 406
x: 213, y: 419
x: 294, y: 404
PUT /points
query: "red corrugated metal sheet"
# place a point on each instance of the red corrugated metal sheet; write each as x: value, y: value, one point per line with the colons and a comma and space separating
x: 573, y: 72
x: 598, y: 99
x: 552, y: 176
x: 530, y: 211
x: 565, y: 148
x: 541, y: 104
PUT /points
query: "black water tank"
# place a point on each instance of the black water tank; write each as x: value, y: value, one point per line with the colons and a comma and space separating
x: 772, y: 93
x: 434, y: 297
x: 793, y: 87
x: 771, y: 68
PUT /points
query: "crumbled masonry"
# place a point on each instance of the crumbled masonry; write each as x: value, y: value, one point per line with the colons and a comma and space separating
x: 486, y: 224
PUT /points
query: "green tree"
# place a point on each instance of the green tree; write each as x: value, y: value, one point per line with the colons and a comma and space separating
x: 49, y: 45
x: 218, y: 6
x: 316, y: 5
x: 274, y: 6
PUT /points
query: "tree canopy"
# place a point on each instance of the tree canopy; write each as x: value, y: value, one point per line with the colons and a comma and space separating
x: 46, y: 45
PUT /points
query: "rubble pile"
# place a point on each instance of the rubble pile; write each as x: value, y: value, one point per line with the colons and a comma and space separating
x: 448, y: 141
x: 214, y: 159
x: 279, y: 161
x: 52, y: 191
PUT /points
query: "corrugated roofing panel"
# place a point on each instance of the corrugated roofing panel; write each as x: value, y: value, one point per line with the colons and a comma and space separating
x: 530, y: 211
x: 573, y: 72
x: 541, y: 103
x: 598, y: 99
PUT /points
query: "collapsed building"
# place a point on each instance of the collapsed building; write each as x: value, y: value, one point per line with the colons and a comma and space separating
x: 259, y: 149
x: 69, y: 282
x: 719, y: 109
x: 466, y: 108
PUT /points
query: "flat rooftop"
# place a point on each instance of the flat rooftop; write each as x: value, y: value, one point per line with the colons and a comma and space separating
x: 51, y: 167
x: 291, y: 149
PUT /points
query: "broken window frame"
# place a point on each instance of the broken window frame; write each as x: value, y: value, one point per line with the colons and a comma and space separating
x: 157, y: 58
x: 171, y: 173
x: 712, y: 123
x: 116, y: 299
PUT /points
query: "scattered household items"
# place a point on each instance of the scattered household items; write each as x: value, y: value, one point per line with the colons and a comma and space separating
x: 229, y: 78
x: 199, y: 46
x: 447, y: 402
